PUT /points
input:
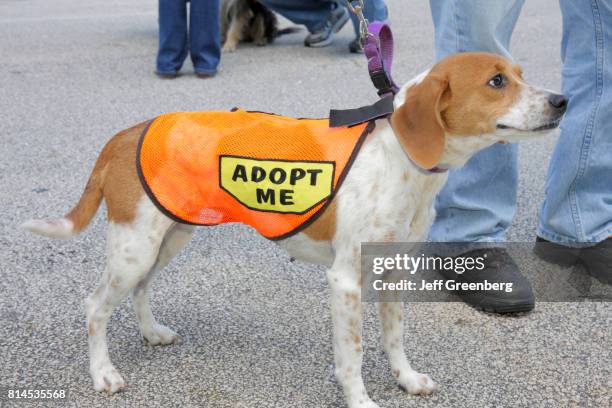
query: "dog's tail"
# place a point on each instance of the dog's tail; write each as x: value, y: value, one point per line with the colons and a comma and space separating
x: 80, y: 216
x: 288, y: 30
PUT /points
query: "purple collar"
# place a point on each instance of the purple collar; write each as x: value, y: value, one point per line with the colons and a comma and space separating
x: 437, y: 170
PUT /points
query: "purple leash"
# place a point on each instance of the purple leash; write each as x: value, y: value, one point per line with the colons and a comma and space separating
x: 377, y: 41
x: 378, y: 49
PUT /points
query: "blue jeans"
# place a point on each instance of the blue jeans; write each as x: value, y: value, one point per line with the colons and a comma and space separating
x: 478, y: 202
x: 314, y: 13
x: 202, y: 39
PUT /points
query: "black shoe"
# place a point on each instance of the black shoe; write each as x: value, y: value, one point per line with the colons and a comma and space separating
x: 355, y: 46
x: 555, y: 253
x: 499, y: 268
x: 597, y: 260
x: 324, y: 36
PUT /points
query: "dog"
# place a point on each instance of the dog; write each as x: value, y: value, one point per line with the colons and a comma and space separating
x: 248, y: 21
x: 465, y: 103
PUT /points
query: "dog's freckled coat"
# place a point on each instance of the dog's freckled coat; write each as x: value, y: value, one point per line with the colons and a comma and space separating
x: 442, y: 118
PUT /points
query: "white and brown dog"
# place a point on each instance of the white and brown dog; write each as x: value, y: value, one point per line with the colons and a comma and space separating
x: 462, y: 105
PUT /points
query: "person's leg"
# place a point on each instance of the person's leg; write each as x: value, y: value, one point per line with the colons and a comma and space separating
x: 312, y: 14
x: 577, y: 209
x: 205, y: 36
x: 478, y: 202
x: 172, y: 36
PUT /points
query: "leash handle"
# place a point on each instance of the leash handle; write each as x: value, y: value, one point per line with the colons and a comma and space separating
x: 378, y: 49
x: 377, y: 41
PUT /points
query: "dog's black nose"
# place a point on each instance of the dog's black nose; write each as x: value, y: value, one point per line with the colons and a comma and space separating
x: 558, y: 101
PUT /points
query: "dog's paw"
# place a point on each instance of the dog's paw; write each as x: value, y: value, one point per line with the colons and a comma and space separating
x: 369, y: 404
x: 364, y: 402
x: 159, y: 335
x: 416, y: 384
x: 107, y: 379
x: 228, y: 47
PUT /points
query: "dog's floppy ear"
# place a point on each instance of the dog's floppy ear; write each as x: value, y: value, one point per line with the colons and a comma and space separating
x: 418, y: 123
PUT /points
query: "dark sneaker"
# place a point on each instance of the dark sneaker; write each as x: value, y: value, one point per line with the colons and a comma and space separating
x: 324, y: 36
x: 499, y: 268
x: 597, y: 260
x: 355, y: 46
x: 166, y: 75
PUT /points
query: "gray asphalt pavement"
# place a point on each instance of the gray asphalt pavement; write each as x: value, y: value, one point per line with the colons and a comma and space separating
x: 255, y: 328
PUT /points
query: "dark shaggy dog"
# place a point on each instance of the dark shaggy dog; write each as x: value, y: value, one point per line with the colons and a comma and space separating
x: 248, y: 21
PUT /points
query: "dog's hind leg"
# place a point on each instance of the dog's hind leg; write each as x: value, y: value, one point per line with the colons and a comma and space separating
x: 152, y: 332
x: 391, y: 316
x: 132, y: 251
x: 257, y: 31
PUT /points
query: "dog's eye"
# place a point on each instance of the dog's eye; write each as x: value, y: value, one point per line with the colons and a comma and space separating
x: 498, y: 81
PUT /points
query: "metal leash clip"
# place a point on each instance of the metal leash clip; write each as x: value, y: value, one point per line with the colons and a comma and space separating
x: 356, y: 6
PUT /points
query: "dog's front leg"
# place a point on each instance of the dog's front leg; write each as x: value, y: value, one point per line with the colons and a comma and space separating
x: 344, y: 280
x: 392, y: 321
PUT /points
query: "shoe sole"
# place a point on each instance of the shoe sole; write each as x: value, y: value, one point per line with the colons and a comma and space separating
x: 495, y: 306
x: 518, y: 308
x: 321, y: 44
x: 335, y: 29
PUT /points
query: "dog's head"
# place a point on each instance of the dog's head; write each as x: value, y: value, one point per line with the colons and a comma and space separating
x: 468, y: 102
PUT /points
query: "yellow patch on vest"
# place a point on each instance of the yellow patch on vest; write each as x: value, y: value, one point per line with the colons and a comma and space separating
x: 290, y: 187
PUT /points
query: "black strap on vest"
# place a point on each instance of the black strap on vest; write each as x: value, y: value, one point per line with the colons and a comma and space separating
x: 351, y: 117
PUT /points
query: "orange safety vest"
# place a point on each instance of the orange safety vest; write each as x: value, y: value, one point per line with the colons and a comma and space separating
x: 271, y: 172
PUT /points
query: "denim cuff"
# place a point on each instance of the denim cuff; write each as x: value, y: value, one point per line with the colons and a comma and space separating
x: 458, y: 248
x: 573, y: 242
x: 166, y: 71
